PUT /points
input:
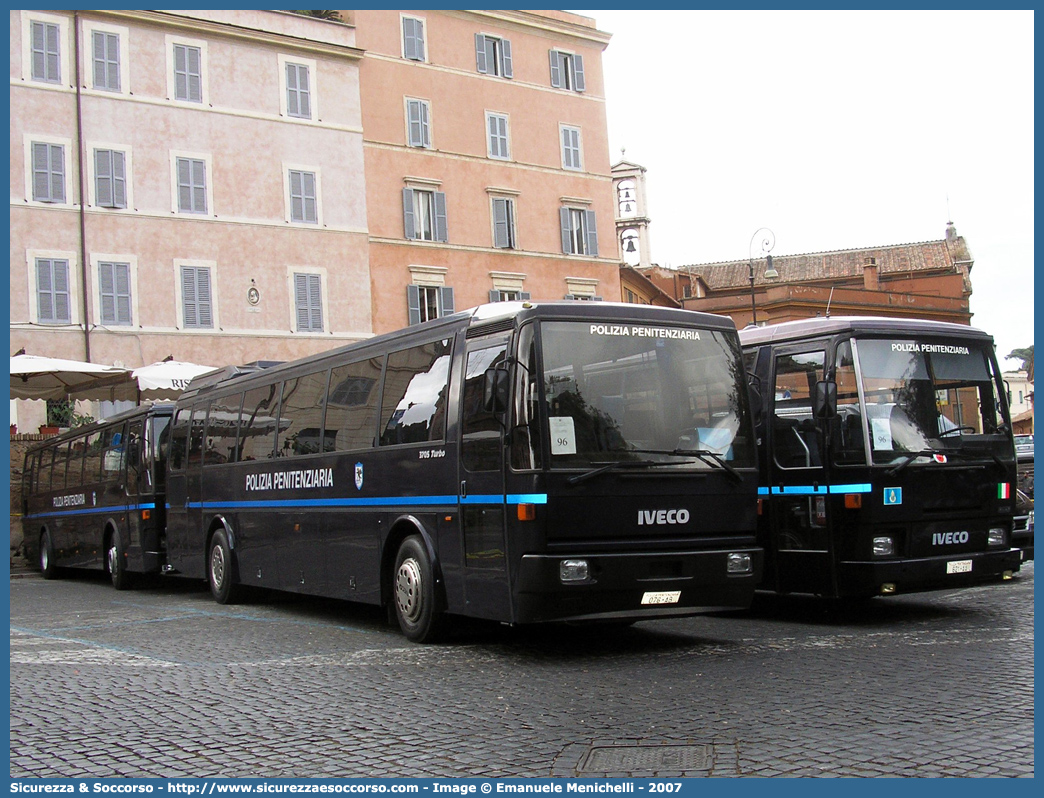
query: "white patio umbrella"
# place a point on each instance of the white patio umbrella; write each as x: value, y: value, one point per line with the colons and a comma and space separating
x: 35, y: 377
x: 166, y: 379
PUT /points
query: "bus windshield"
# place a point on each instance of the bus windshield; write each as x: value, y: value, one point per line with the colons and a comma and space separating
x: 923, y: 397
x: 656, y: 394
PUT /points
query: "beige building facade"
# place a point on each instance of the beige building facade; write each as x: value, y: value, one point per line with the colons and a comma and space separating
x: 487, y: 160
x: 186, y: 183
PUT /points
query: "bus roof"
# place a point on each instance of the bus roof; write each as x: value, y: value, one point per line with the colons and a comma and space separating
x: 491, y: 317
x: 833, y: 325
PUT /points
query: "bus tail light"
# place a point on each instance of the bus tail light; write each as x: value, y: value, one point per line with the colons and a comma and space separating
x: 997, y: 536
x: 739, y: 563
x: 527, y: 512
x: 146, y: 515
x: 853, y: 501
x: 884, y: 547
x: 574, y: 571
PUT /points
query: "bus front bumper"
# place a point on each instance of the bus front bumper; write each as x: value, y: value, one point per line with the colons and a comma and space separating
x: 928, y: 573
x: 630, y: 586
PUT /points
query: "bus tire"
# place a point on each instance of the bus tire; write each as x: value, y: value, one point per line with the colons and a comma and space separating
x: 220, y: 570
x: 116, y: 563
x: 47, y: 566
x: 413, y: 592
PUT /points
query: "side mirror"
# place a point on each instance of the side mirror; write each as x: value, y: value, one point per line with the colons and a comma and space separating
x: 824, y: 399
x: 495, y: 391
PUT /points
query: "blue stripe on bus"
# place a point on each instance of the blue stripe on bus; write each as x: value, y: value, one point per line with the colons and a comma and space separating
x: 94, y: 510
x: 814, y: 490
x: 381, y: 501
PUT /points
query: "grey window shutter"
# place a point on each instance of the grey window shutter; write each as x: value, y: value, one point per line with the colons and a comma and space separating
x: 413, y: 37
x: 592, y: 233
x: 408, y: 222
x: 121, y: 272
x: 524, y: 295
x: 44, y: 290
x: 425, y: 126
x: 315, y: 301
x: 57, y: 166
x: 61, y: 290
x: 494, y: 295
x: 493, y: 66
x: 505, y: 49
x: 41, y: 173
x: 195, y: 74
x: 108, y: 292
x: 292, y: 106
x: 556, y: 70
x: 480, y: 54
x: 206, y: 317
x: 441, y: 228
x: 311, y: 213
x: 567, y: 238
x: 119, y: 179
x: 189, y: 305
x: 39, y: 54
x: 100, y: 71
x: 501, y: 224
x: 308, y: 295
x: 304, y: 91
x: 199, y: 186
x: 103, y: 177
x: 54, y: 73
x: 445, y: 301
x: 578, y: 72
x: 184, y: 184
x: 413, y: 303
x: 180, y: 72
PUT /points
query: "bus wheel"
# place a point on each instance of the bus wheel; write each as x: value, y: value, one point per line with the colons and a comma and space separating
x: 219, y: 570
x: 116, y: 564
x: 414, y: 592
x: 47, y: 567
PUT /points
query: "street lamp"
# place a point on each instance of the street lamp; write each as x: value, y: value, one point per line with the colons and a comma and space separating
x: 766, y: 243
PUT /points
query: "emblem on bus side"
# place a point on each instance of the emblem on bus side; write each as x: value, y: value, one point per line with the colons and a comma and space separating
x: 358, y: 476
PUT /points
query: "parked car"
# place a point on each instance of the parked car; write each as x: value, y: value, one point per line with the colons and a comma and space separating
x: 1023, y: 445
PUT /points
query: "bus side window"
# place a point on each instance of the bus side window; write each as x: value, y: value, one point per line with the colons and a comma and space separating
x: 796, y: 438
x: 179, y: 439
x: 480, y: 428
x: 351, y: 406
x: 222, y: 428
x: 257, y: 428
x: 301, y: 415
x: 195, y: 436
x: 61, y: 460
x: 849, y: 442
x: 415, y: 387
x: 112, y: 451
x: 92, y: 458
x: 525, y: 432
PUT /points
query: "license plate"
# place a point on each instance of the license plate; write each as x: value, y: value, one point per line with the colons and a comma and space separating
x: 959, y: 567
x: 663, y: 597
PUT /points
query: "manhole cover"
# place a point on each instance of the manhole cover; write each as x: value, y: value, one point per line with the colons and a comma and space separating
x: 646, y: 758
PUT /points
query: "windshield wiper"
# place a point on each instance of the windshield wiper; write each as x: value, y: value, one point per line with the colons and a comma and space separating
x: 705, y: 456
x: 594, y: 472
x: 947, y: 453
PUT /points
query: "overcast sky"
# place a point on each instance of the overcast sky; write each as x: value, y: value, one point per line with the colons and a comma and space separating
x: 837, y: 130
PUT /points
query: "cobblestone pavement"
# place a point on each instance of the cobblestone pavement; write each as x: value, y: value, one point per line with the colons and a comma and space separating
x: 162, y: 682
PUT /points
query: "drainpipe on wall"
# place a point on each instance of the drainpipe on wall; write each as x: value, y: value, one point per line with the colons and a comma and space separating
x: 83, y: 200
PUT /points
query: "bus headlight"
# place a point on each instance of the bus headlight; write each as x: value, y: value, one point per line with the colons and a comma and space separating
x: 739, y: 563
x: 884, y: 547
x: 574, y: 571
x: 997, y: 536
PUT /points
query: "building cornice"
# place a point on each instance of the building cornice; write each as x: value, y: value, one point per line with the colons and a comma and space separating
x: 532, y: 21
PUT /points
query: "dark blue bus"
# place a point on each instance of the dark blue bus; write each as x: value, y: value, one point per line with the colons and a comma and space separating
x: 517, y: 462
x: 886, y: 455
x: 93, y: 497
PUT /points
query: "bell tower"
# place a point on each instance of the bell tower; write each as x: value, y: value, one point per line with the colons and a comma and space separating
x: 632, y: 219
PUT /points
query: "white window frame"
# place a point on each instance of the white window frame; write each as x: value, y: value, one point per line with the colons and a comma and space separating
x: 98, y: 258
x: 567, y: 70
x: 179, y: 304
x: 92, y: 177
x: 502, y: 66
x: 506, y: 155
x: 324, y: 283
x: 204, y: 82
x: 579, y: 230
x: 510, y: 286
x: 313, y: 88
x: 64, y: 62
x: 66, y: 145
x: 209, y: 188
x: 424, y: 36
x: 567, y: 163
x: 31, y: 256
x: 89, y: 29
x: 512, y: 220
x: 426, y: 127
x: 288, y: 199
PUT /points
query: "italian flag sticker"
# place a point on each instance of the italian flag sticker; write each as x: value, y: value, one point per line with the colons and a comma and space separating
x: 1004, y: 490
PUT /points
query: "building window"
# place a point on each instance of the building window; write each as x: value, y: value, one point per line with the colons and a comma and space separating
x: 298, y: 94
x: 500, y: 295
x: 424, y: 215
x: 497, y: 129
x: 196, y: 297
x: 188, y: 73
x: 579, y: 235
x: 413, y: 38
x: 192, y: 185
x: 115, y: 285
x: 308, y: 302
x: 418, y: 126
x: 504, y: 223
x: 427, y: 302
x: 493, y: 55
x: 303, y: 205
x: 106, y: 48
x: 567, y: 71
x: 48, y: 172
x: 571, y: 148
x: 52, y: 291
x: 110, y: 178
x: 46, y: 57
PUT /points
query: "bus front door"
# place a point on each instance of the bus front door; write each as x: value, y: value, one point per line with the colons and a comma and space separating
x: 484, y: 545
x: 798, y: 546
